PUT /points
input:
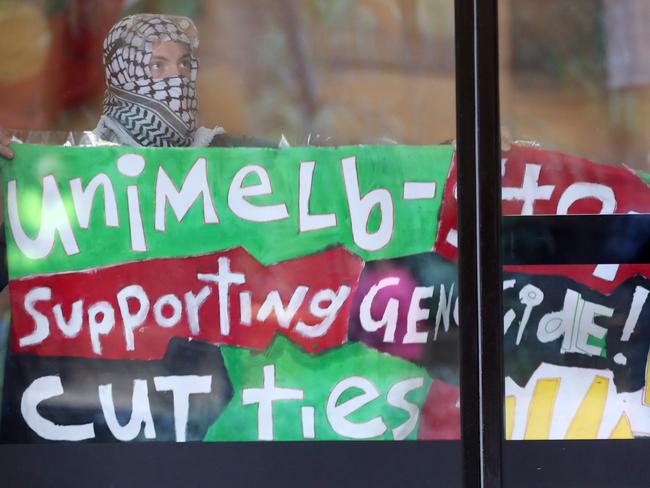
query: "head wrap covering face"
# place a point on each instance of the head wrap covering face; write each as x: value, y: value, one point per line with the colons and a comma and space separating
x: 160, y: 112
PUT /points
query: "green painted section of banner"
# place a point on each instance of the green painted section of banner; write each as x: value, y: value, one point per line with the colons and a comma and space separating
x: 387, y: 167
x: 383, y: 415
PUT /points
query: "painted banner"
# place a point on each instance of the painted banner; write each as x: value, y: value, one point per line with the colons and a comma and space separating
x: 538, y: 182
x: 72, y: 208
x: 210, y: 294
x: 301, y: 294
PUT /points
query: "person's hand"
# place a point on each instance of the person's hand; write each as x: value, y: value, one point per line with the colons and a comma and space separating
x: 5, y: 139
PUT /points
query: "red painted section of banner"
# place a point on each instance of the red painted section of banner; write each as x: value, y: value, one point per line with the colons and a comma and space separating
x: 583, y: 273
x: 441, y: 413
x: 447, y: 237
x: 327, y: 270
x: 538, y: 182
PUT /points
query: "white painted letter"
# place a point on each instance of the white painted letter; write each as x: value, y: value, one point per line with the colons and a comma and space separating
x: 265, y: 397
x: 103, y: 327
x: 132, y: 165
x: 194, y: 185
x: 361, y: 208
x: 177, y: 310
x: 273, y: 303
x: 638, y: 301
x: 389, y: 319
x: 54, y: 218
x: 140, y: 412
x: 224, y: 278
x: 193, y: 305
x: 337, y: 413
x: 531, y: 296
x: 43, y: 389
x: 72, y: 327
x: 182, y: 387
x: 42, y: 325
x: 308, y: 221
x: 328, y: 314
x: 241, y: 207
x: 135, y: 320
x: 444, y: 309
x: 554, y: 325
x: 415, y: 314
x: 397, y: 398
x: 580, y: 191
x: 588, y: 328
x: 83, y: 200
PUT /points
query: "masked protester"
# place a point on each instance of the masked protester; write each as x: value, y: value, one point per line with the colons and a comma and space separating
x: 151, y: 70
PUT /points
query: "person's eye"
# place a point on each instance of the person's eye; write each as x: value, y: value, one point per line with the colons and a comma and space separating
x: 185, y: 64
x: 155, y: 66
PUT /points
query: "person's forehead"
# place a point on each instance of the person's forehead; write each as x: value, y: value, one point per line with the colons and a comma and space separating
x: 162, y: 48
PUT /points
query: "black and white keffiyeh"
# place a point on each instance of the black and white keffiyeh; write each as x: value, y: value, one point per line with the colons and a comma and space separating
x: 163, y: 112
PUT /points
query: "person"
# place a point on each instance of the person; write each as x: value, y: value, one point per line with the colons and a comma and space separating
x: 151, y: 69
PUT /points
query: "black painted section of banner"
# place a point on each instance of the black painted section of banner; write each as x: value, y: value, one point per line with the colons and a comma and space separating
x: 593, y: 464
x: 287, y: 464
x: 80, y: 379
x: 524, y: 358
x: 576, y: 239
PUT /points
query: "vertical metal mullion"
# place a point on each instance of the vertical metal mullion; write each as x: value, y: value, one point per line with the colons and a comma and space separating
x: 479, y: 263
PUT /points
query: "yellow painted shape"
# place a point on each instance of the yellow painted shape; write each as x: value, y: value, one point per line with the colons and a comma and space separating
x: 623, y: 429
x: 646, y: 395
x: 511, y: 403
x: 540, y: 411
x: 587, y: 419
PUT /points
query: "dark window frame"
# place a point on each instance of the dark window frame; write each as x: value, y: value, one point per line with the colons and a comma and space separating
x: 479, y: 230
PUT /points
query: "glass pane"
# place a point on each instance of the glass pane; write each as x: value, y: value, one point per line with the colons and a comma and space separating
x: 575, y: 86
x: 267, y: 289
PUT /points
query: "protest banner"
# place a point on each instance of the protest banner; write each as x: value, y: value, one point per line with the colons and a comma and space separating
x: 123, y: 261
x: 261, y: 294
x: 539, y: 182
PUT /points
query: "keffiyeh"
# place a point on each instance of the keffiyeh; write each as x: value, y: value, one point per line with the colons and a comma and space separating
x: 137, y: 108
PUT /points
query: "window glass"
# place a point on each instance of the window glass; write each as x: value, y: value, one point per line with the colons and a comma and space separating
x: 575, y: 78
x: 298, y: 282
